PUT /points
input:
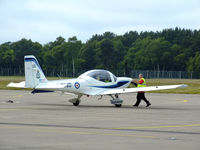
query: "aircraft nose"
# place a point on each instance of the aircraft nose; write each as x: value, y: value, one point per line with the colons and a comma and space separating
x: 130, y: 79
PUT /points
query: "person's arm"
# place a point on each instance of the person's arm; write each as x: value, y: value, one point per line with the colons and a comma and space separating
x: 134, y: 82
x: 141, y: 81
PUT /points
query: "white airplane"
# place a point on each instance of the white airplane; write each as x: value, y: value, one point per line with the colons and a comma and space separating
x: 91, y: 83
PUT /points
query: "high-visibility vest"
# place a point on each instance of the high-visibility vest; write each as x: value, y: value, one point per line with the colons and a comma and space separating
x: 143, y: 84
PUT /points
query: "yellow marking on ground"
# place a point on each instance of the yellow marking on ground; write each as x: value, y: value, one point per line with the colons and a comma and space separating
x: 14, y: 96
x: 64, y: 131
x: 157, y: 127
x: 183, y: 100
x: 8, y: 109
x: 79, y: 132
x: 128, y: 135
x: 70, y: 130
x: 178, y: 101
x: 3, y: 127
x: 93, y: 133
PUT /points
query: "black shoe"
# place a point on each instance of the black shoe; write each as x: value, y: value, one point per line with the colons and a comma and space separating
x: 135, y: 105
x: 148, y: 104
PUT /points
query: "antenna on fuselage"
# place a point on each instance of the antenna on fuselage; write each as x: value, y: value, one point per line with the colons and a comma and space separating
x: 59, y: 76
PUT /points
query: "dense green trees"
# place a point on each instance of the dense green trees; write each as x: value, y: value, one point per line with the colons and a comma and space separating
x: 193, y: 65
x: 171, y: 49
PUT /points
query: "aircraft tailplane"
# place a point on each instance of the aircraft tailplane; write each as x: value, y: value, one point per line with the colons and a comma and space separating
x: 33, y: 72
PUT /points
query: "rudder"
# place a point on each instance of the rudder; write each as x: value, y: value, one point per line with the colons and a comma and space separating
x: 33, y: 72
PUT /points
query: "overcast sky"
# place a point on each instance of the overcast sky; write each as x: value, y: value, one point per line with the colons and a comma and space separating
x: 45, y: 20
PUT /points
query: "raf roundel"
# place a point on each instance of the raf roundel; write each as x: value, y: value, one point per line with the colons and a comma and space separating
x: 76, y: 85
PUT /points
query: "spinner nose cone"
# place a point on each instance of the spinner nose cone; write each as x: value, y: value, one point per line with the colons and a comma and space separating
x: 129, y: 79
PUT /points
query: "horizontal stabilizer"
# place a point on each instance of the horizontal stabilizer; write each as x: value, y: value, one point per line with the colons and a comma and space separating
x: 17, y: 85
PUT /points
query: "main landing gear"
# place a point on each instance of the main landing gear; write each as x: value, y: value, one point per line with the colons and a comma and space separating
x: 116, y: 100
x: 75, y: 101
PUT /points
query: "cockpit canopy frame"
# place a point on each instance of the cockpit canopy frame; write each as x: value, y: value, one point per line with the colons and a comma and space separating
x: 102, y: 75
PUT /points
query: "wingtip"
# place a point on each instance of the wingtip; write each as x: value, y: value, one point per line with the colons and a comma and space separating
x: 10, y: 84
x: 17, y: 85
x: 183, y: 86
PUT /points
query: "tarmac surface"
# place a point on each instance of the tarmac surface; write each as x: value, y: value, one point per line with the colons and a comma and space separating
x: 49, y: 122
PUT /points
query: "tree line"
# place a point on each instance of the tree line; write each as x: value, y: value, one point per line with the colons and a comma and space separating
x: 170, y: 49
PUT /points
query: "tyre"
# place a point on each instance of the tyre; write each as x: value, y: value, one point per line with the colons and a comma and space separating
x: 118, y: 105
x: 76, y: 103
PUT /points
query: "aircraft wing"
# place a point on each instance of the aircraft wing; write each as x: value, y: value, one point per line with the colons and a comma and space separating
x: 132, y: 90
x: 17, y: 85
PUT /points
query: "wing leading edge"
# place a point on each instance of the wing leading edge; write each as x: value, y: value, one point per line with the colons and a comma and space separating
x: 132, y: 90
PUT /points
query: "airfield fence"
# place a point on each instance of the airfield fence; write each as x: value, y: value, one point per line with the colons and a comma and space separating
x: 133, y: 73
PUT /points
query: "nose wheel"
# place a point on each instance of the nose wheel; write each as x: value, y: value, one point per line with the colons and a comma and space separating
x: 118, y: 105
x: 116, y: 100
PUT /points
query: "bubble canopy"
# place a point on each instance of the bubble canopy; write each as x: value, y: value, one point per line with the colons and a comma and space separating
x: 101, y: 75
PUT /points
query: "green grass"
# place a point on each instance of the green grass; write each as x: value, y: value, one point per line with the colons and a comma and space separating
x: 193, y: 84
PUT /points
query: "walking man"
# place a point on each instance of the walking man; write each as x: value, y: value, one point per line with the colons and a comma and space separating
x: 141, y: 94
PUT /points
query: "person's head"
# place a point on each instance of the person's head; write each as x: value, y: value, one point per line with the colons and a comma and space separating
x: 140, y: 75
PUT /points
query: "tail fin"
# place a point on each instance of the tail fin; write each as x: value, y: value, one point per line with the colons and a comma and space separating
x: 33, y: 72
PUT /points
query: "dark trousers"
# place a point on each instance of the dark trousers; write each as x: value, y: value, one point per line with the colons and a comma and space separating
x: 141, y: 96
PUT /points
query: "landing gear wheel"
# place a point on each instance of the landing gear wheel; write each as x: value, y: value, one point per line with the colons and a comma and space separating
x: 118, y: 105
x: 76, y: 103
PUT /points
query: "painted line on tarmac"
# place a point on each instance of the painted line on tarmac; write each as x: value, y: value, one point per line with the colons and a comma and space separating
x: 80, y: 127
x: 129, y: 129
x: 92, y: 133
x: 6, y: 97
x: 179, y: 101
x: 183, y: 100
x: 64, y: 131
x: 129, y: 135
x: 8, y: 109
x: 15, y: 96
x: 158, y: 127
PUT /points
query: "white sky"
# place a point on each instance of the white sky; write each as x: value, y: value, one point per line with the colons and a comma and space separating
x: 45, y: 20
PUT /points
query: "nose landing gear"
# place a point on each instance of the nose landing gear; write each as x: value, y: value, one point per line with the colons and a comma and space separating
x: 116, y: 100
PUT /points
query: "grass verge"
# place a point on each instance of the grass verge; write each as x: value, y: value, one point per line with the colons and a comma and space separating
x: 193, y: 84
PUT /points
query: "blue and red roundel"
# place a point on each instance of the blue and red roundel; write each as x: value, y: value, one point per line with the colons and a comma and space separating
x: 76, y: 85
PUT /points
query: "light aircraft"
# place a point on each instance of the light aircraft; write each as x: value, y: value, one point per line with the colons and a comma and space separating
x: 91, y: 83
